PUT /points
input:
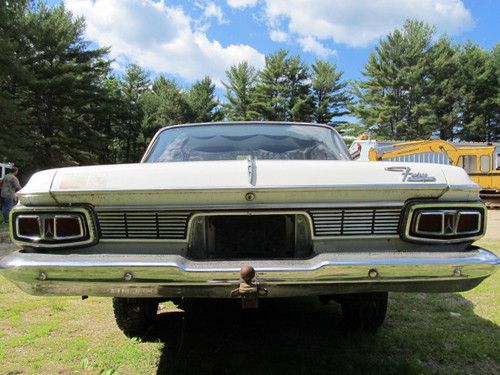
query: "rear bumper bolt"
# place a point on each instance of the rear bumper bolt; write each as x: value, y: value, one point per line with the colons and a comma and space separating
x: 128, y: 276
x: 42, y: 276
x: 457, y: 272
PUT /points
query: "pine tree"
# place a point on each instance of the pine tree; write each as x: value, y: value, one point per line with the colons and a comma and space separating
x: 165, y: 105
x: 204, y: 104
x: 444, y: 89
x: 329, y: 92
x: 479, y: 107
x: 63, y: 90
x: 134, y: 85
x: 241, y: 93
x: 110, y: 117
x: 392, y: 100
x: 283, y: 89
x: 14, y: 75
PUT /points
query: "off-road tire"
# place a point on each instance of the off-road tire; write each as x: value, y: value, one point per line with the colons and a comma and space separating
x: 364, y: 311
x: 135, y: 315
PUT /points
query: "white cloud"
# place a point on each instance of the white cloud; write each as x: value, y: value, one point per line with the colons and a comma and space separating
x: 159, y: 38
x: 241, y: 3
x: 310, y: 44
x: 213, y: 10
x: 357, y: 22
x: 278, y: 36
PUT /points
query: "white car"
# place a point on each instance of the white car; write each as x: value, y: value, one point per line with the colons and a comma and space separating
x: 248, y: 210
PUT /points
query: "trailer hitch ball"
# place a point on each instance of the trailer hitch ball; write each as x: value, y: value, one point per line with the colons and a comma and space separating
x: 249, y: 290
x: 247, y: 274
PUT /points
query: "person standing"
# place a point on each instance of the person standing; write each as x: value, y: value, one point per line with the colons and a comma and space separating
x: 10, y: 185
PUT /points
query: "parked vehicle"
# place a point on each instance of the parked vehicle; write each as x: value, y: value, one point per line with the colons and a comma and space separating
x: 248, y: 211
x: 5, y: 169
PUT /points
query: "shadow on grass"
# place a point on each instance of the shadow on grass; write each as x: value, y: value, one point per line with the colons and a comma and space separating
x: 296, y: 336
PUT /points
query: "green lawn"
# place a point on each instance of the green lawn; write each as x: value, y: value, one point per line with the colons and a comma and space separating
x: 423, y: 334
x: 3, y: 224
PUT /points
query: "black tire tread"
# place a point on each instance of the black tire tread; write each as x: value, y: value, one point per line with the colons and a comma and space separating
x: 134, y: 315
x: 365, y: 311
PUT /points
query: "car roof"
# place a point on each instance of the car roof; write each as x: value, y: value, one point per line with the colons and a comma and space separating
x: 255, y: 122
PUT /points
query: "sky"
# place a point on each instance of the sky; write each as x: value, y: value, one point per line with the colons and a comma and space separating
x: 187, y: 40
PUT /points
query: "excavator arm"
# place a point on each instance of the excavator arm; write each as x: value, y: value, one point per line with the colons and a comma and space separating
x: 417, y: 147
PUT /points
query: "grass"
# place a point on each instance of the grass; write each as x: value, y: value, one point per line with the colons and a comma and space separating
x: 453, y: 333
x: 3, y: 224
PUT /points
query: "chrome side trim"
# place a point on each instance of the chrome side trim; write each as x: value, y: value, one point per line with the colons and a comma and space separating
x: 405, y: 186
x: 255, y: 206
x: 173, y: 275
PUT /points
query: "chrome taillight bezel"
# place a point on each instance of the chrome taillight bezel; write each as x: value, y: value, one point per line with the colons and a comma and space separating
x: 415, y: 210
x: 84, y: 215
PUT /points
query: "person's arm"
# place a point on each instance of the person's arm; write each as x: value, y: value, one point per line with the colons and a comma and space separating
x: 17, y: 185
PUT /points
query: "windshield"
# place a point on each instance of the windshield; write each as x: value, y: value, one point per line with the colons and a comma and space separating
x: 239, y: 141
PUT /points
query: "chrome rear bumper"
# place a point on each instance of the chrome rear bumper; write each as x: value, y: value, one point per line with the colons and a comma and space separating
x: 175, y: 276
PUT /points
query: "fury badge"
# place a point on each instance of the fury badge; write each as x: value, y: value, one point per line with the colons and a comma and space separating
x: 411, y: 177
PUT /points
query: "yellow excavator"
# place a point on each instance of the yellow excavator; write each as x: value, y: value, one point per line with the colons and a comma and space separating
x: 482, y: 163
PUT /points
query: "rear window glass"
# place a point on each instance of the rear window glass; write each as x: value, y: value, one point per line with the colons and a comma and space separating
x: 239, y: 141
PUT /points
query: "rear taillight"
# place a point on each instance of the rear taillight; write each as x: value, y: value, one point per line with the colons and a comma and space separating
x: 469, y: 222
x: 445, y: 222
x: 68, y: 227
x: 28, y: 227
x: 41, y: 227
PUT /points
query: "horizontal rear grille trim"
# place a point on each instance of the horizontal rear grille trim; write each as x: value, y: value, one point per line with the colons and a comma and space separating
x: 148, y: 224
x: 162, y: 224
x: 355, y: 222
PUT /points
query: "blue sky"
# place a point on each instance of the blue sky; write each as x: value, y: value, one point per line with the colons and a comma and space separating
x: 186, y: 40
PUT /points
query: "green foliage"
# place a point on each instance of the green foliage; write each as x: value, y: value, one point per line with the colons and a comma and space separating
x: 134, y: 86
x: 204, y: 104
x: 166, y: 104
x: 12, y: 75
x: 63, y: 90
x: 444, y: 90
x: 241, y: 93
x: 418, y: 85
x: 55, y: 87
x: 391, y: 101
x: 283, y: 89
x: 479, y: 102
x: 329, y: 92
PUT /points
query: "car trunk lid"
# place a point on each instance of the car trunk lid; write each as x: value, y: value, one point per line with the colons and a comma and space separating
x: 213, y: 183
